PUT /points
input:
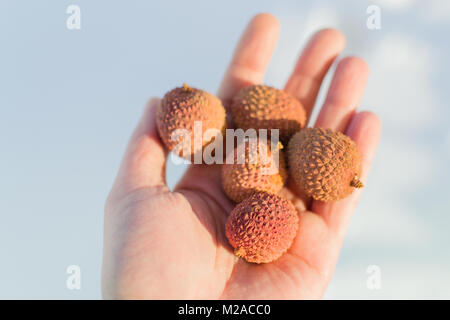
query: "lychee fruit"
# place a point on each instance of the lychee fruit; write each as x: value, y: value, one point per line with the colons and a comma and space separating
x: 324, y: 164
x: 264, y: 107
x: 262, y: 227
x: 180, y: 110
x: 254, y: 167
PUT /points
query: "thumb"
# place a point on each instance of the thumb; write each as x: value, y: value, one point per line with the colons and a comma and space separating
x: 143, y: 164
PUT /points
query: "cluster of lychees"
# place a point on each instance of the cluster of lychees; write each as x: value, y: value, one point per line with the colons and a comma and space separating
x: 323, y: 164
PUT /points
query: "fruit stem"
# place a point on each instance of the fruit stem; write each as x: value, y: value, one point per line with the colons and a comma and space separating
x: 186, y: 88
x: 356, y: 183
x: 280, y: 145
x: 239, y: 252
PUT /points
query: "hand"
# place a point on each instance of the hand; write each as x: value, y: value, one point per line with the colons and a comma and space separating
x: 160, y: 244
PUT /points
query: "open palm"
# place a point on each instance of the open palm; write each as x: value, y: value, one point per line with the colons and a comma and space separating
x: 162, y: 244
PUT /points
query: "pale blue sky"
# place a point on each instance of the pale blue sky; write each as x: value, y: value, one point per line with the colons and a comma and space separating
x: 70, y: 99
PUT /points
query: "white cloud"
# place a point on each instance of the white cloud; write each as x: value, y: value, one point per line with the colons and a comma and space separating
x: 400, y: 87
x: 403, y: 165
x: 394, y: 4
x: 447, y: 143
x: 399, y: 280
x: 382, y: 223
x: 296, y: 29
x: 385, y: 218
x: 437, y: 10
x: 321, y: 17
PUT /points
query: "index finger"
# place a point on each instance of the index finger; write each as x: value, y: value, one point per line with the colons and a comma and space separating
x: 247, y: 67
x: 251, y: 56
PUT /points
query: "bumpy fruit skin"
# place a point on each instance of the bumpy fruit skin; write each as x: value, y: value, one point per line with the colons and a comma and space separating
x: 262, y: 227
x: 324, y: 164
x: 180, y: 107
x: 264, y: 107
x: 260, y: 171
